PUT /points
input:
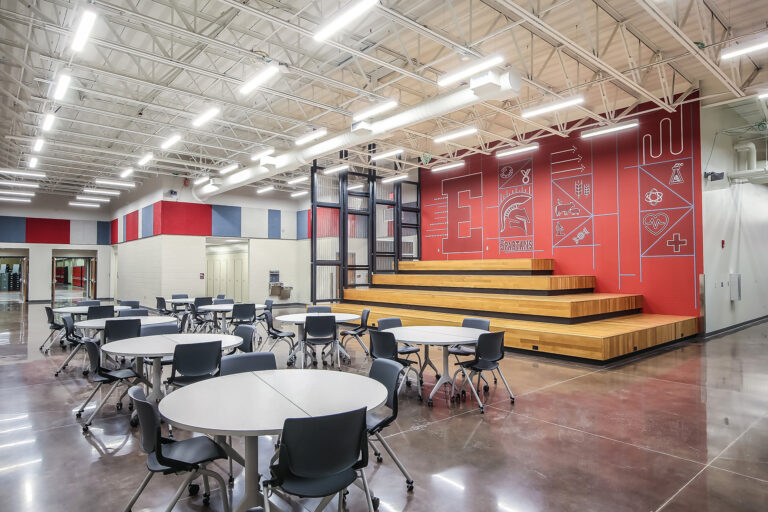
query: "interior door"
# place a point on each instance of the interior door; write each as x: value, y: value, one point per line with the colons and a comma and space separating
x: 92, y: 278
x: 24, y: 280
x: 53, y: 281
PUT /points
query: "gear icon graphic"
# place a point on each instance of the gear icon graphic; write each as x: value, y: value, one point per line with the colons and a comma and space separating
x: 654, y: 197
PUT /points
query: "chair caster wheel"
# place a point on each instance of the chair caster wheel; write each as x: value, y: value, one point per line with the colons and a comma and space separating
x: 379, y: 459
x: 430, y: 403
x: 486, y: 388
x: 409, y: 485
x: 130, y: 406
x: 78, y: 414
x: 512, y: 400
x: 420, y: 399
x: 206, y: 499
x: 375, y: 502
x: 56, y: 374
x: 289, y: 363
x: 453, y: 398
x: 193, y: 489
x: 324, y: 364
x: 407, y: 383
x: 437, y: 375
x: 85, y: 373
x: 231, y: 481
x: 85, y: 429
x: 134, y: 422
x: 421, y: 381
x: 482, y: 411
x: 119, y: 406
x: 314, y: 363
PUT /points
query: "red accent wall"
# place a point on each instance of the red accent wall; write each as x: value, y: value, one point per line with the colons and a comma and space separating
x: 132, y: 226
x: 47, y: 231
x: 184, y: 219
x: 157, y: 218
x: 113, y: 232
x: 624, y: 207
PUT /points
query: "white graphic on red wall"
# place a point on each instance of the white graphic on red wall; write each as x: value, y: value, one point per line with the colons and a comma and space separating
x: 464, y: 214
x: 516, y: 207
x: 572, y: 201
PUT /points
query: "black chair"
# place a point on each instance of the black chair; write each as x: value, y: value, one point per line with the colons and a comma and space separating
x: 357, y: 332
x: 200, y: 320
x: 261, y: 318
x: 130, y: 303
x: 178, y: 308
x: 88, y: 303
x: 321, y: 331
x: 154, y: 330
x: 179, y: 296
x: 98, y: 312
x: 133, y: 312
x: 203, y: 301
x: 242, y: 314
x: 320, y: 457
x: 221, y: 296
x: 274, y: 334
x: 223, y: 301
x: 469, y: 350
x: 404, y: 349
x: 246, y: 333
x: 161, y: 306
x: 251, y: 362
x: 75, y: 343
x: 101, y: 376
x: 56, y: 328
x: 121, y: 329
x: 194, y: 362
x: 319, y: 309
x: 489, y: 351
x: 386, y: 372
x: 169, y: 456
x: 384, y: 346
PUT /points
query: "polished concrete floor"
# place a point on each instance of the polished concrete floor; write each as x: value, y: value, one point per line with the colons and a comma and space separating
x: 685, y: 428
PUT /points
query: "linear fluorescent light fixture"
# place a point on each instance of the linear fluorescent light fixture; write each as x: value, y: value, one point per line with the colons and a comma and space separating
x: 84, y: 28
x: 375, y: 110
x: 94, y: 199
x: 84, y: 205
x: 298, y: 180
x: 170, y: 141
x: 552, y: 106
x: 22, y: 184
x: 19, y: 193
x: 241, y: 176
x: 62, y: 84
x: 127, y: 172
x: 394, y: 178
x: 111, y: 183
x: 299, y: 194
x: 228, y: 169
x: 738, y: 51
x: 210, y: 188
x: 609, y: 129
x: 309, y: 137
x: 386, y: 154
x: 38, y: 145
x: 346, y: 15
x: 260, y: 78
x: 336, y: 168
x: 455, y: 135
x: 201, y: 180
x: 146, y: 158
x: 32, y: 162
x: 205, y: 116
x: 48, y: 122
x: 26, y: 174
x: 355, y: 187
x: 448, y: 167
x: 101, y: 191
x: 470, y: 69
x: 517, y: 150
x: 262, y: 153
x: 16, y: 199
x: 763, y: 96
x: 270, y: 188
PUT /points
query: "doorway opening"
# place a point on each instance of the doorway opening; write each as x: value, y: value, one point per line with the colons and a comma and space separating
x: 227, y: 268
x: 13, y: 278
x: 74, y: 278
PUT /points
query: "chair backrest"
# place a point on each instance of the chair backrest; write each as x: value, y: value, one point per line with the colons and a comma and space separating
x: 184, y: 322
x: 69, y: 326
x: 490, y: 346
x: 203, y: 301
x: 120, y: 329
x: 223, y: 301
x: 221, y: 296
x: 320, y: 326
x: 160, y: 304
x: 197, y: 359
x: 364, y: 318
x: 88, y: 303
x: 94, y: 356
x: 477, y: 323
x: 387, y: 372
x: 133, y: 312
x: 319, y: 309
x: 322, y: 446
x: 246, y: 333
x: 268, y: 304
x: 389, y: 323
x: 246, y: 312
x: 179, y: 296
x: 153, y: 330
x: 129, y: 303
x: 383, y: 345
x: 269, y: 319
x: 253, y: 362
x: 96, y: 312
x: 49, y: 315
x: 149, y: 419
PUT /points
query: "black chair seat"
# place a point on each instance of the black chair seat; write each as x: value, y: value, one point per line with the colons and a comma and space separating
x: 318, y: 341
x: 483, y: 365
x: 282, y: 334
x: 407, y: 349
x: 461, y: 351
x: 54, y: 325
x: 165, y: 361
x: 377, y: 419
x: 194, y: 451
x: 186, y: 380
x: 404, y: 362
x: 352, y: 332
x: 112, y: 376
x: 318, y: 487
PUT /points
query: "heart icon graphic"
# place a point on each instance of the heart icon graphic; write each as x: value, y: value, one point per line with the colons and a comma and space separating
x: 655, y: 223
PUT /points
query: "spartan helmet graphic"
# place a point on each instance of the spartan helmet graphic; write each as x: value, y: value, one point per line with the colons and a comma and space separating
x: 513, y: 215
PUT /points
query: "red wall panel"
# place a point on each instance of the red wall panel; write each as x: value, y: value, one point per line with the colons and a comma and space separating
x: 623, y: 207
x: 132, y: 226
x: 47, y: 231
x: 184, y: 219
x: 113, y: 231
x: 157, y: 218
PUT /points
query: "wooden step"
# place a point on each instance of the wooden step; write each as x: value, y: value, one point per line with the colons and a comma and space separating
x: 507, y: 266
x: 564, y: 308
x: 601, y: 340
x: 545, y: 285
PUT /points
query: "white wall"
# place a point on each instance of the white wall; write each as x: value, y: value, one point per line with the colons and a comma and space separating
x: 52, y: 206
x: 290, y: 257
x: 739, y: 216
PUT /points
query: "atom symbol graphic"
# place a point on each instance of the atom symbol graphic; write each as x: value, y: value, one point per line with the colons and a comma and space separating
x: 653, y: 197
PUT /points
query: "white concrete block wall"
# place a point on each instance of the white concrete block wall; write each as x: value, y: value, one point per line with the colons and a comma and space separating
x: 139, y: 271
x: 182, y: 259
x: 289, y: 257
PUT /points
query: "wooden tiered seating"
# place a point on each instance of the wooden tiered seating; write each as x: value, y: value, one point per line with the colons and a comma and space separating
x: 538, y: 311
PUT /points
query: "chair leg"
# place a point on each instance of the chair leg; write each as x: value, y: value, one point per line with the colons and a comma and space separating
x: 222, y: 486
x: 192, y: 475
x: 50, y: 335
x: 265, y: 492
x: 87, y: 400
x: 101, y: 404
x: 138, y: 492
x: 504, y: 380
x: 367, y: 489
x: 385, y: 444
x: 474, y: 390
x: 68, y: 359
x: 324, y: 503
x: 375, y: 450
x: 340, y: 506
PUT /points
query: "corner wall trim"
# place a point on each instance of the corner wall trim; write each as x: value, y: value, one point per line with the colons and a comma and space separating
x: 733, y: 328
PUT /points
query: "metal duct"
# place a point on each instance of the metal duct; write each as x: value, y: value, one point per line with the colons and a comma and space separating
x: 745, y: 162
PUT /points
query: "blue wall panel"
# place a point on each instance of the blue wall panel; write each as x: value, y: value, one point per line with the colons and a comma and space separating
x: 147, y: 221
x: 13, y: 229
x: 225, y: 220
x: 273, y: 223
x: 302, y: 230
x: 103, y: 232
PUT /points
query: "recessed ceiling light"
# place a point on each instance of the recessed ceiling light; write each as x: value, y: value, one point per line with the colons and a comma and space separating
x: 455, y: 135
x: 62, y: 84
x: 375, y: 110
x: 447, y: 167
x: 20, y: 193
x: 517, y: 150
x: 111, y: 183
x: 48, y: 122
x: 127, y: 172
x: 309, y: 137
x: 345, y: 16
x: 144, y: 160
x: 84, y: 28
x: 609, y: 129
x: 262, y: 153
x: 470, y: 69
x: 38, y: 145
x: 299, y: 194
x: 386, y: 154
x: 32, y: 162
x: 552, y: 106
x: 84, y: 205
x: 94, y: 199
x: 170, y: 141
x: 269, y: 188
x: 101, y: 191
x: 26, y: 174
x: 15, y: 199
x: 22, y: 184
x: 298, y: 180
x: 260, y: 78
x: 394, y: 178
x: 737, y: 51
x: 336, y: 168
x: 228, y: 169
x: 201, y: 180
x: 206, y: 116
x: 209, y: 188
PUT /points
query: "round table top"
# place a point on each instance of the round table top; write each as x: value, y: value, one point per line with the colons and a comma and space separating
x: 436, y: 334
x: 258, y: 403
x: 82, y: 310
x: 98, y: 323
x: 219, y: 308
x: 162, y: 345
x: 184, y: 300
x: 300, y: 318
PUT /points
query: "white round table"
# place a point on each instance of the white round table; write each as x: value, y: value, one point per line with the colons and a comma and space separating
x: 82, y: 310
x: 159, y: 346
x: 436, y: 335
x: 216, y: 309
x: 253, y: 404
x: 97, y: 324
x: 183, y: 300
x: 299, y: 319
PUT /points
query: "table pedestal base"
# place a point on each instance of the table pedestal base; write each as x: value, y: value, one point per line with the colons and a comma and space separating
x: 252, y: 496
x: 157, y: 380
x: 445, y: 378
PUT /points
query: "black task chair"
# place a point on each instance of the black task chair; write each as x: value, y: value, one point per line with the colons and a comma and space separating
x: 469, y: 350
x: 274, y: 334
x: 133, y: 312
x: 246, y: 333
x: 357, y: 332
x: 101, y: 376
x: 121, y: 329
x: 386, y: 372
x: 384, y: 346
x: 489, y: 351
x: 88, y: 303
x: 201, y: 320
x: 75, y: 343
x: 161, y: 306
x: 98, y: 312
x: 194, y: 362
x: 154, y: 330
x: 404, y: 349
x: 130, y: 303
x: 178, y: 308
x: 56, y: 328
x: 319, y: 309
x: 320, y: 457
x: 222, y: 300
x: 261, y: 318
x: 242, y: 314
x: 321, y: 331
x: 169, y: 456
x: 250, y: 362
x: 221, y: 296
